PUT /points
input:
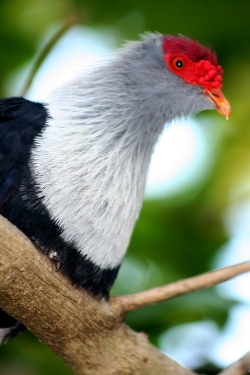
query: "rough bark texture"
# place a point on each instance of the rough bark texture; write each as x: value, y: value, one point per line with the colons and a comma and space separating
x: 87, y: 334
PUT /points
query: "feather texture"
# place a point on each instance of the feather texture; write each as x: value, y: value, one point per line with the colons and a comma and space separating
x: 91, y: 161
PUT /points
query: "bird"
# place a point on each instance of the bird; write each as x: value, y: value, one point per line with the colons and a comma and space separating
x: 73, y: 169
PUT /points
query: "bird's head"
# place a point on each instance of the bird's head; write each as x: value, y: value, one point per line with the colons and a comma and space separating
x: 197, y: 65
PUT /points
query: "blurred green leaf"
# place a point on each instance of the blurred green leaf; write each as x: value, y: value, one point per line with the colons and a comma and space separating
x: 25, y: 355
x: 199, y: 306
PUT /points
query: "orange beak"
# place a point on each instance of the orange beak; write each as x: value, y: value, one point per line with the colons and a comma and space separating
x: 219, y: 101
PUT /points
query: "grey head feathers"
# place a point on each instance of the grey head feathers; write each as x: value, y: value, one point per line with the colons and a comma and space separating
x: 90, y: 162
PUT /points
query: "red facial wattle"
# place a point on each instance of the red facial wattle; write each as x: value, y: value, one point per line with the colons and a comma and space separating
x: 197, y: 65
x: 198, y: 73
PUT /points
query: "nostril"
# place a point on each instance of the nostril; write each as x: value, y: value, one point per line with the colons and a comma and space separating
x: 215, y: 95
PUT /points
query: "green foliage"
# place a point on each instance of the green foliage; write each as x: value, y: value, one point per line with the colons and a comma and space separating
x: 199, y: 306
x: 178, y: 236
x: 27, y: 356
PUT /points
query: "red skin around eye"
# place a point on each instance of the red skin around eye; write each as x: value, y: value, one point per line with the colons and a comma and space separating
x: 200, y: 67
x: 202, y: 72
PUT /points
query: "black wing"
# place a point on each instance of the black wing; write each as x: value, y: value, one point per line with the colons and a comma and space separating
x: 20, y: 121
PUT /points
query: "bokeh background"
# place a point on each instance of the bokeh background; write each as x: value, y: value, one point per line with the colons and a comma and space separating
x: 196, y: 214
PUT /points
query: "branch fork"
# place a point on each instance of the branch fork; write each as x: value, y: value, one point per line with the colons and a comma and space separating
x: 88, y: 334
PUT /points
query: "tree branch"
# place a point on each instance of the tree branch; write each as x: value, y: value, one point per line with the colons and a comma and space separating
x: 86, y: 333
x: 241, y: 367
x: 134, y: 301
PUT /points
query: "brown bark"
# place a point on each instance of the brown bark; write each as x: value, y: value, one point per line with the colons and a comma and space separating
x: 89, y: 335
x: 135, y: 301
x: 241, y: 367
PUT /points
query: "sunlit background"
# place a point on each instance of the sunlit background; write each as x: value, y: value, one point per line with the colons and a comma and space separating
x: 196, y: 214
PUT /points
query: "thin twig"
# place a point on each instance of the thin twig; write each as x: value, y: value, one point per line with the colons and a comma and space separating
x: 72, y: 20
x: 241, y: 367
x: 134, y: 301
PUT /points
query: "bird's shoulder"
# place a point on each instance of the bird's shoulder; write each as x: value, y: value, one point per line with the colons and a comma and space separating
x: 20, y: 121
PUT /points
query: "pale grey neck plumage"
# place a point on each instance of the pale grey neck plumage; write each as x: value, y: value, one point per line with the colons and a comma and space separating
x: 93, y: 156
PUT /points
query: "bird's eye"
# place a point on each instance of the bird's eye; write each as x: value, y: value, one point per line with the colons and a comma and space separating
x: 179, y: 64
